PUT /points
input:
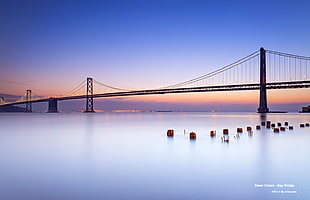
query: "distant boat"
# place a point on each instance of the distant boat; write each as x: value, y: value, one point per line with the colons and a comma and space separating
x: 305, y: 109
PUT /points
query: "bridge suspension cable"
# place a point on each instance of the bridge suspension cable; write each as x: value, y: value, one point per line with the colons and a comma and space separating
x: 34, y: 96
x: 283, y: 67
x: 224, y: 77
x: 111, y: 87
x: 241, y: 71
x: 76, y: 89
x: 288, y: 55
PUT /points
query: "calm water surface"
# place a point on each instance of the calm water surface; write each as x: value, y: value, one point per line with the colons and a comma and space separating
x: 128, y: 156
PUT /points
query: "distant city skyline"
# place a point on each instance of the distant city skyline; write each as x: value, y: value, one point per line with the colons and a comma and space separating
x: 51, y: 46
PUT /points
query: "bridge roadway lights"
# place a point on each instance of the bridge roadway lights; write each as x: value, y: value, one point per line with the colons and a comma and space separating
x: 86, y: 111
x: 52, y: 105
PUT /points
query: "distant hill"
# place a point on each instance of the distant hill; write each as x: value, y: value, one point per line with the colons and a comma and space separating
x: 9, y: 108
x: 9, y: 97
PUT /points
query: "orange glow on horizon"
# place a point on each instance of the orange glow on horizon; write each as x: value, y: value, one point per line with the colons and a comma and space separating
x: 289, y: 96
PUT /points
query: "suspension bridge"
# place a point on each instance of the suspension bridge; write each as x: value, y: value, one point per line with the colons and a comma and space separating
x: 261, y: 70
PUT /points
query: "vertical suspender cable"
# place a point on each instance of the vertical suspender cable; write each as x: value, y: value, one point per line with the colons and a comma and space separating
x: 290, y: 68
x: 250, y: 64
x: 295, y: 69
x: 300, y: 67
x: 306, y: 70
x: 274, y: 67
x: 269, y: 68
x: 247, y: 80
x: 238, y: 73
x: 279, y: 70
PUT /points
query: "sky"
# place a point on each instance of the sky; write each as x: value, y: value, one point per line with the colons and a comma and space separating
x: 51, y: 46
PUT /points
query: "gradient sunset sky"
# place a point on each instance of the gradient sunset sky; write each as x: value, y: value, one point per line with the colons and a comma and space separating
x: 50, y: 46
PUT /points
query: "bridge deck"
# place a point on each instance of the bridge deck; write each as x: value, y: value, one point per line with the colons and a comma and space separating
x: 255, y: 86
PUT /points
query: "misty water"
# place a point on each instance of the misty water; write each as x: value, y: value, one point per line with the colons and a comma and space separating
x: 129, y: 156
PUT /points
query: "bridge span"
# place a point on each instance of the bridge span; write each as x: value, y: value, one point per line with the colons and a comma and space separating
x: 286, y: 71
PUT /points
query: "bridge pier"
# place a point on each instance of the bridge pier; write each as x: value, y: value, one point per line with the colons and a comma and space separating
x: 52, y: 105
x: 28, y: 101
x: 263, y: 92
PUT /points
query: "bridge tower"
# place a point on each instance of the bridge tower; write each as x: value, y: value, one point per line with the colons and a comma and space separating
x: 28, y: 101
x: 263, y: 92
x: 89, y: 95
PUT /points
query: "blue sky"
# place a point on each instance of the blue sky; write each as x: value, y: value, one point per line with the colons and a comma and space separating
x: 51, y: 46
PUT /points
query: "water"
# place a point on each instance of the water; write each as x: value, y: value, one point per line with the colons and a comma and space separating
x: 128, y: 156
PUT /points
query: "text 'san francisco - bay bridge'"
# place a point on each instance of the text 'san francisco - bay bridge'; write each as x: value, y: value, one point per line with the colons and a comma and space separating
x: 261, y: 70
